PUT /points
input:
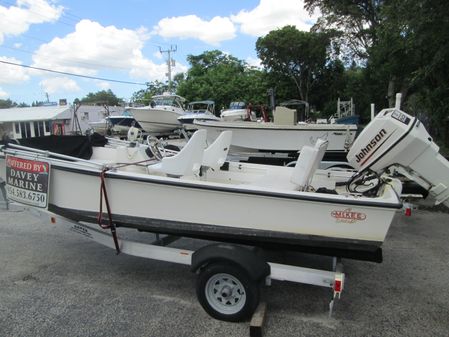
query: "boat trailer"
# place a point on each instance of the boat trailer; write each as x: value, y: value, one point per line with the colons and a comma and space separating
x: 229, y: 276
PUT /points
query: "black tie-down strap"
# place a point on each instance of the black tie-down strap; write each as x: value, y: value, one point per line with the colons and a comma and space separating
x: 109, y: 224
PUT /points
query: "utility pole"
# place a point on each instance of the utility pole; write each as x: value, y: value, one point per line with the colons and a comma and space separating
x: 170, y: 63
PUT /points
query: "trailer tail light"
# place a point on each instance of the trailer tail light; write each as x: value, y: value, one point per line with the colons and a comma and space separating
x: 407, y: 209
x: 338, y: 284
x: 53, y: 220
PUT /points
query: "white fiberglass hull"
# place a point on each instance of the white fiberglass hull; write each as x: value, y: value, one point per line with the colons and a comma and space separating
x: 252, y: 136
x: 189, y: 118
x: 234, y: 115
x: 158, y: 119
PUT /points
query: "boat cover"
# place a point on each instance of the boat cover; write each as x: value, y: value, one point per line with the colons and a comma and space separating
x: 75, y: 146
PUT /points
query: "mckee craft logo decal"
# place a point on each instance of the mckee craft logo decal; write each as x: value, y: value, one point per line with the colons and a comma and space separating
x: 348, y: 216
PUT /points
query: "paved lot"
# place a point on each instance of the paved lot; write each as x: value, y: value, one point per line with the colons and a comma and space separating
x: 54, y: 283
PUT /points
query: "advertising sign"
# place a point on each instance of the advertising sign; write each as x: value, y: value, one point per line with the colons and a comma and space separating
x: 27, y: 181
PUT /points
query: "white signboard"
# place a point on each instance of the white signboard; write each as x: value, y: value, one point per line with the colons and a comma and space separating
x: 27, y: 181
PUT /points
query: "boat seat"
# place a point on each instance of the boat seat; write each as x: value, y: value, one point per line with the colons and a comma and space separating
x: 187, y: 162
x: 308, y: 161
x: 216, y: 153
x: 302, y: 174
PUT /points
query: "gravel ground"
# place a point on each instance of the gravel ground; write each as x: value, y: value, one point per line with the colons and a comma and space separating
x: 54, y: 283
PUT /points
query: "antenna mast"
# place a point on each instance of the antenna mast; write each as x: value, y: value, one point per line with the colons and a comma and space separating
x: 170, y: 62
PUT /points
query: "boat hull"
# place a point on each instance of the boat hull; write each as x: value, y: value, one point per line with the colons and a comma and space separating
x: 234, y: 115
x: 157, y: 120
x: 250, y: 136
x: 191, y: 117
x: 256, y: 217
x: 226, y: 208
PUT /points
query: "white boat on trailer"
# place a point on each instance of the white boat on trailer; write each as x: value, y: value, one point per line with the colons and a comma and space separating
x: 285, y: 135
x: 256, y: 139
x: 252, y: 204
x: 161, y: 116
x: 328, y: 212
x: 245, y: 203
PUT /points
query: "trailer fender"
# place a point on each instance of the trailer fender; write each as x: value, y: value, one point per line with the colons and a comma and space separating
x: 256, y: 267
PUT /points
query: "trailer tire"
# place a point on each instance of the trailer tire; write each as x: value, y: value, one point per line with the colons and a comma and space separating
x: 226, y: 292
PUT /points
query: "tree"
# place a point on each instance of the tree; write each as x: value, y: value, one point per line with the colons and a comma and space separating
x: 223, y: 78
x: 424, y: 58
x: 405, y: 51
x: 153, y: 88
x: 357, y: 22
x: 100, y: 98
x: 299, y: 55
x: 7, y: 103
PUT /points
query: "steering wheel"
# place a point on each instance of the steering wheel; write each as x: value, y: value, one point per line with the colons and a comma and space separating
x: 156, y: 146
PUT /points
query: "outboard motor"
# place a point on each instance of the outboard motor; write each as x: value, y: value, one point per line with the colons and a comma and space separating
x: 394, y: 138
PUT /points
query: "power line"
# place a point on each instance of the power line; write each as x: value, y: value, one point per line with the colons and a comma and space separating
x: 68, y: 61
x: 71, y: 24
x: 71, y: 74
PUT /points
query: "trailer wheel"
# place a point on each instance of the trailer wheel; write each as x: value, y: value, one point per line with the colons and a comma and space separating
x: 226, y: 292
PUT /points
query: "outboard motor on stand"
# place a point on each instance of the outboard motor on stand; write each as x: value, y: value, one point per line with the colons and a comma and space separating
x: 396, y: 139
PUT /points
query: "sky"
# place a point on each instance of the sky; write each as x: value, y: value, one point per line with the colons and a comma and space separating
x: 122, y: 40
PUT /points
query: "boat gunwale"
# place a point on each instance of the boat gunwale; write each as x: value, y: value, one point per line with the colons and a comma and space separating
x: 93, y: 168
x: 276, y: 127
x: 220, y: 187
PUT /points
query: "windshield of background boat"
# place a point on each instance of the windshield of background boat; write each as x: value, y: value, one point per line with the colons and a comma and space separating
x: 237, y: 105
x: 198, y: 107
x: 169, y: 101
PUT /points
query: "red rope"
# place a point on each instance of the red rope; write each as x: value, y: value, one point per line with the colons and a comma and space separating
x: 110, y: 225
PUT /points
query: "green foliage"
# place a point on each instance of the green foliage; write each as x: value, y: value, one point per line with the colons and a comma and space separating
x: 223, y: 78
x: 412, y: 55
x: 355, y: 20
x: 299, y: 55
x: 7, y: 103
x: 154, y: 88
x: 402, y: 46
x: 100, y: 98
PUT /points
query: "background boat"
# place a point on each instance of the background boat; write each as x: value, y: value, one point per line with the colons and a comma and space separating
x: 161, y: 116
x: 114, y: 125
x: 237, y: 111
x: 271, y: 137
x: 198, y: 110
